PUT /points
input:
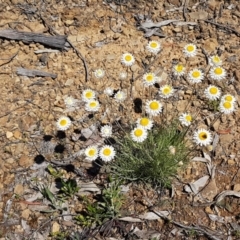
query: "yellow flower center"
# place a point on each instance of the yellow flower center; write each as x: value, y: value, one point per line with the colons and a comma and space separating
x: 179, y: 68
x: 227, y: 105
x: 166, y: 90
x: 144, y: 121
x: 196, y: 74
x: 188, y: 118
x: 92, y: 152
x: 128, y: 58
x: 153, y: 45
x: 107, y: 152
x: 138, y: 132
x: 88, y: 94
x: 154, y: 105
x: 149, y: 78
x: 93, y: 104
x: 216, y: 59
x: 213, y: 90
x: 228, y: 98
x: 202, y: 136
x: 63, y: 122
x: 218, y: 71
x: 190, y: 48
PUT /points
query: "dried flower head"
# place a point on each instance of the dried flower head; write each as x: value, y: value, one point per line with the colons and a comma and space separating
x: 120, y: 96
x: 108, y: 91
x: 70, y: 102
x: 99, y: 73
x: 106, y: 131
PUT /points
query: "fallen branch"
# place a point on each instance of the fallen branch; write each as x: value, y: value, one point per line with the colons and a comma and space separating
x: 34, y: 73
x: 229, y: 29
x: 28, y: 37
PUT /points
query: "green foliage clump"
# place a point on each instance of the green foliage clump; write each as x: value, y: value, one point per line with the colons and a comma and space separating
x: 154, y: 161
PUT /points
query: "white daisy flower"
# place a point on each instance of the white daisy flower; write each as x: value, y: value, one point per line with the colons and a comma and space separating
x: 70, y: 102
x: 145, y: 122
x: 212, y: 92
x: 106, y: 131
x: 153, y: 107
x: 92, y: 106
x: 120, y: 96
x: 226, y: 107
x: 228, y: 98
x: 128, y: 59
x: 63, y: 123
x: 195, y: 76
x: 218, y: 73
x: 215, y: 61
x: 138, y: 134
x: 202, y: 137
x: 91, y: 153
x: 149, y: 79
x: 123, y: 75
x: 99, y: 73
x: 108, y: 91
x: 178, y: 70
x: 166, y: 91
x: 190, y: 50
x: 107, y: 153
x: 185, y: 119
x: 88, y: 95
x: 153, y: 47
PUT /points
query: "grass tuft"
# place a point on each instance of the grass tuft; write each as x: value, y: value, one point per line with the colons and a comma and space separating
x: 156, y: 160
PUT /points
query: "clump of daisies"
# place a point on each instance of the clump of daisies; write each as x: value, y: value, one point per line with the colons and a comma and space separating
x: 151, y: 155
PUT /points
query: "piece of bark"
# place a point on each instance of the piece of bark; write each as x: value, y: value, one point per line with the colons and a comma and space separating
x: 34, y: 73
x: 28, y: 37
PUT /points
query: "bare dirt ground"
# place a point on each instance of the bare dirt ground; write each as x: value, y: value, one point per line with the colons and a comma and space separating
x: 101, y: 31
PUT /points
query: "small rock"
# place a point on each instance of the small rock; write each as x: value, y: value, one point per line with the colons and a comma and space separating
x: 25, y: 213
x: 231, y: 162
x: 236, y: 187
x: 17, y: 134
x: 18, y: 189
x: 55, y: 227
x: 9, y: 134
x: 25, y: 161
x: 210, y: 191
x: 210, y: 45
